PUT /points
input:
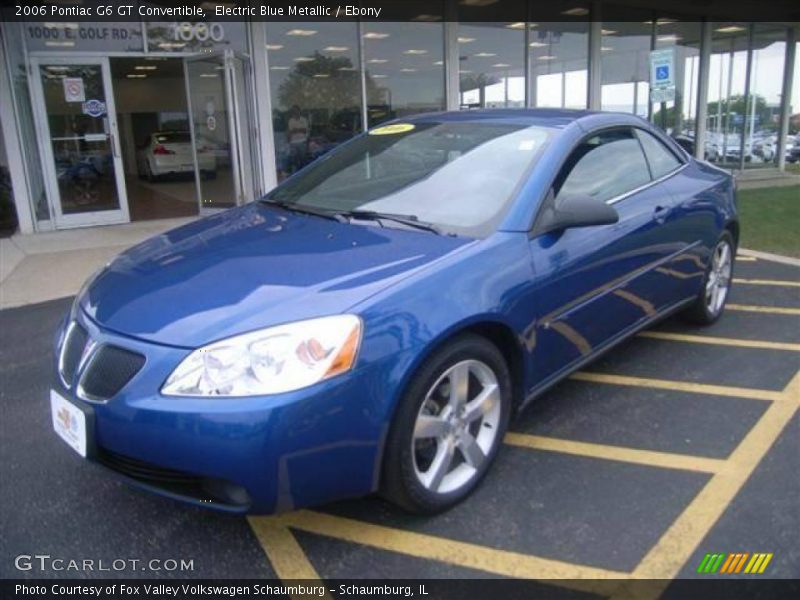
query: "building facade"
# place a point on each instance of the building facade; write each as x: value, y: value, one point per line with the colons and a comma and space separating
x: 106, y: 123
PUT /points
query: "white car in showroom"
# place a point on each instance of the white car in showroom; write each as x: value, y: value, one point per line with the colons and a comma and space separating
x: 169, y: 153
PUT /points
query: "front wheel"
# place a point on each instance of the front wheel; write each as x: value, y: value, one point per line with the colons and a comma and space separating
x: 448, y: 426
x: 710, y: 302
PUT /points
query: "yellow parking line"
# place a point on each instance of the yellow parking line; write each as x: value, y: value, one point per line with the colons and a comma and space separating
x: 650, y: 458
x: 462, y: 554
x: 719, y: 341
x: 678, y: 543
x: 783, y: 282
x: 679, y: 386
x: 284, y: 553
x: 741, y: 257
x: 772, y: 310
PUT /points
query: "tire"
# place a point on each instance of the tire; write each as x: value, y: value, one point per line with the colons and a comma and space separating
x: 704, y: 311
x: 470, y: 438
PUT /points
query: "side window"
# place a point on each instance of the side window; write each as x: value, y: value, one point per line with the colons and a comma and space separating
x: 604, y: 166
x: 662, y: 161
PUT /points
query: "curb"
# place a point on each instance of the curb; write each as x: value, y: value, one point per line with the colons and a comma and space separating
x: 778, y: 258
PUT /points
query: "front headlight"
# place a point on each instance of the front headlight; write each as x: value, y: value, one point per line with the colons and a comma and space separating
x: 269, y: 361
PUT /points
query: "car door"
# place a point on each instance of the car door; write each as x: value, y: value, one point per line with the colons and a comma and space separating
x: 592, y: 284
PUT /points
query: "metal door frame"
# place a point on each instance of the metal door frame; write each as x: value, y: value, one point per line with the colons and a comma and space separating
x: 100, y: 217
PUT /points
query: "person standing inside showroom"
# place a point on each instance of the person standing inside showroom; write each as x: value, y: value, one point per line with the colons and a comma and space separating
x: 297, y: 132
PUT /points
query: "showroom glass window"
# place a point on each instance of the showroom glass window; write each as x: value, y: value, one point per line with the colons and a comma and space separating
x: 491, y: 56
x: 762, y: 115
x: 315, y: 88
x: 726, y: 99
x: 404, y: 67
x: 677, y: 117
x: 625, y: 60
x: 559, y: 60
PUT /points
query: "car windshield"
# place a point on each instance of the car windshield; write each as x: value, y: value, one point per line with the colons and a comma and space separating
x: 174, y: 137
x: 459, y: 177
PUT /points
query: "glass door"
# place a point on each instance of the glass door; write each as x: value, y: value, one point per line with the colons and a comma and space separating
x: 79, y: 141
x: 218, y: 92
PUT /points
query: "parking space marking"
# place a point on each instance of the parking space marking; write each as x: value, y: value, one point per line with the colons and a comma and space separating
x: 745, y: 258
x: 462, y: 554
x: 783, y: 282
x: 719, y: 341
x: 676, y: 545
x: 650, y: 458
x: 771, y: 310
x: 282, y: 549
x: 679, y: 386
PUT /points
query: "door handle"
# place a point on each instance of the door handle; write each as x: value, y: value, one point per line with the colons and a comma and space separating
x: 661, y: 213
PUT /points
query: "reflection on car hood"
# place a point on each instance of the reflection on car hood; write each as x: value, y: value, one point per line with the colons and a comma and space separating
x: 248, y: 268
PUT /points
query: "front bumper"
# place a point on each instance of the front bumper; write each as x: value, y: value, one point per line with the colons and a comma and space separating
x: 260, y: 454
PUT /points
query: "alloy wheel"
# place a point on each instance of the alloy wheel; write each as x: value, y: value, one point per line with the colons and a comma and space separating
x: 719, y: 277
x: 457, y: 427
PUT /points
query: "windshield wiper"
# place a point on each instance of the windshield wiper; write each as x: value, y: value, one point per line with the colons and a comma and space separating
x: 306, y: 210
x: 409, y: 220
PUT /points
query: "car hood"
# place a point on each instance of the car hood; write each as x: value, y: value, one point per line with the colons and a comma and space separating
x: 248, y: 268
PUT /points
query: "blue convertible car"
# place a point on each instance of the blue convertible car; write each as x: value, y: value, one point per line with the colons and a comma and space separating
x: 372, y: 324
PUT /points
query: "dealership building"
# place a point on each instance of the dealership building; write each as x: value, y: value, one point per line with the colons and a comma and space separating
x: 111, y: 122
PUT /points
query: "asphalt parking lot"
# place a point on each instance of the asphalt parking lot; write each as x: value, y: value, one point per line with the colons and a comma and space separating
x: 679, y: 443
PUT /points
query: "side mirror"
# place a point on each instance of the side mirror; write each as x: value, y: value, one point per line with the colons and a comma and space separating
x: 575, y: 211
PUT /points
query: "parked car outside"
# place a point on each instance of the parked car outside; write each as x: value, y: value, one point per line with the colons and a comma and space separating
x: 169, y: 153
x: 374, y: 322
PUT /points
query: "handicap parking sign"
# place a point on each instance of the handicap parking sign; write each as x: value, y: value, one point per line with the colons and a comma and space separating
x: 662, y: 72
x: 662, y: 63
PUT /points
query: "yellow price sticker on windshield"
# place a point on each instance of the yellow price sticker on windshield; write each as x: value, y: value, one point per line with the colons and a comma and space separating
x: 392, y: 129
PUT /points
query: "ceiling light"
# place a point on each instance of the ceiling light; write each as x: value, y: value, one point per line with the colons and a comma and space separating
x: 546, y: 57
x: 408, y: 70
x: 427, y: 18
x: 438, y: 62
x: 465, y: 40
x: 608, y: 31
x: 302, y: 32
x: 276, y: 68
x: 578, y: 11
x: 537, y: 45
x: 379, y: 76
x: 374, y: 35
x: 60, y: 25
x: 320, y: 75
x: 346, y: 69
x: 501, y: 65
x: 336, y: 49
x: 606, y: 48
x: 669, y: 38
x: 484, y: 54
x: 303, y: 59
x: 274, y: 46
x: 145, y: 68
x: 141, y: 75
x: 209, y: 75
x: 517, y: 25
x: 377, y: 61
x: 415, y: 52
x: 730, y: 29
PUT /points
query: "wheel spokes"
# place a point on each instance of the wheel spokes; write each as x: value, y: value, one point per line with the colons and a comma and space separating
x: 482, y: 403
x: 471, y: 451
x: 432, y: 478
x: 459, y: 385
x: 429, y: 427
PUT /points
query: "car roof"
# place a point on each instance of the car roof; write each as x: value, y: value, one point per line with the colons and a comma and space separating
x: 557, y: 118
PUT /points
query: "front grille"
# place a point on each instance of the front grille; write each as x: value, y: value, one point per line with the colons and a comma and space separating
x: 71, y: 352
x: 108, y: 371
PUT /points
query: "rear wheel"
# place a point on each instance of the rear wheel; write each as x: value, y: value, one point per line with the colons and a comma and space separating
x: 448, y: 426
x: 710, y: 302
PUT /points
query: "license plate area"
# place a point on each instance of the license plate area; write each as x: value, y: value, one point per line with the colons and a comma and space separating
x: 72, y: 423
